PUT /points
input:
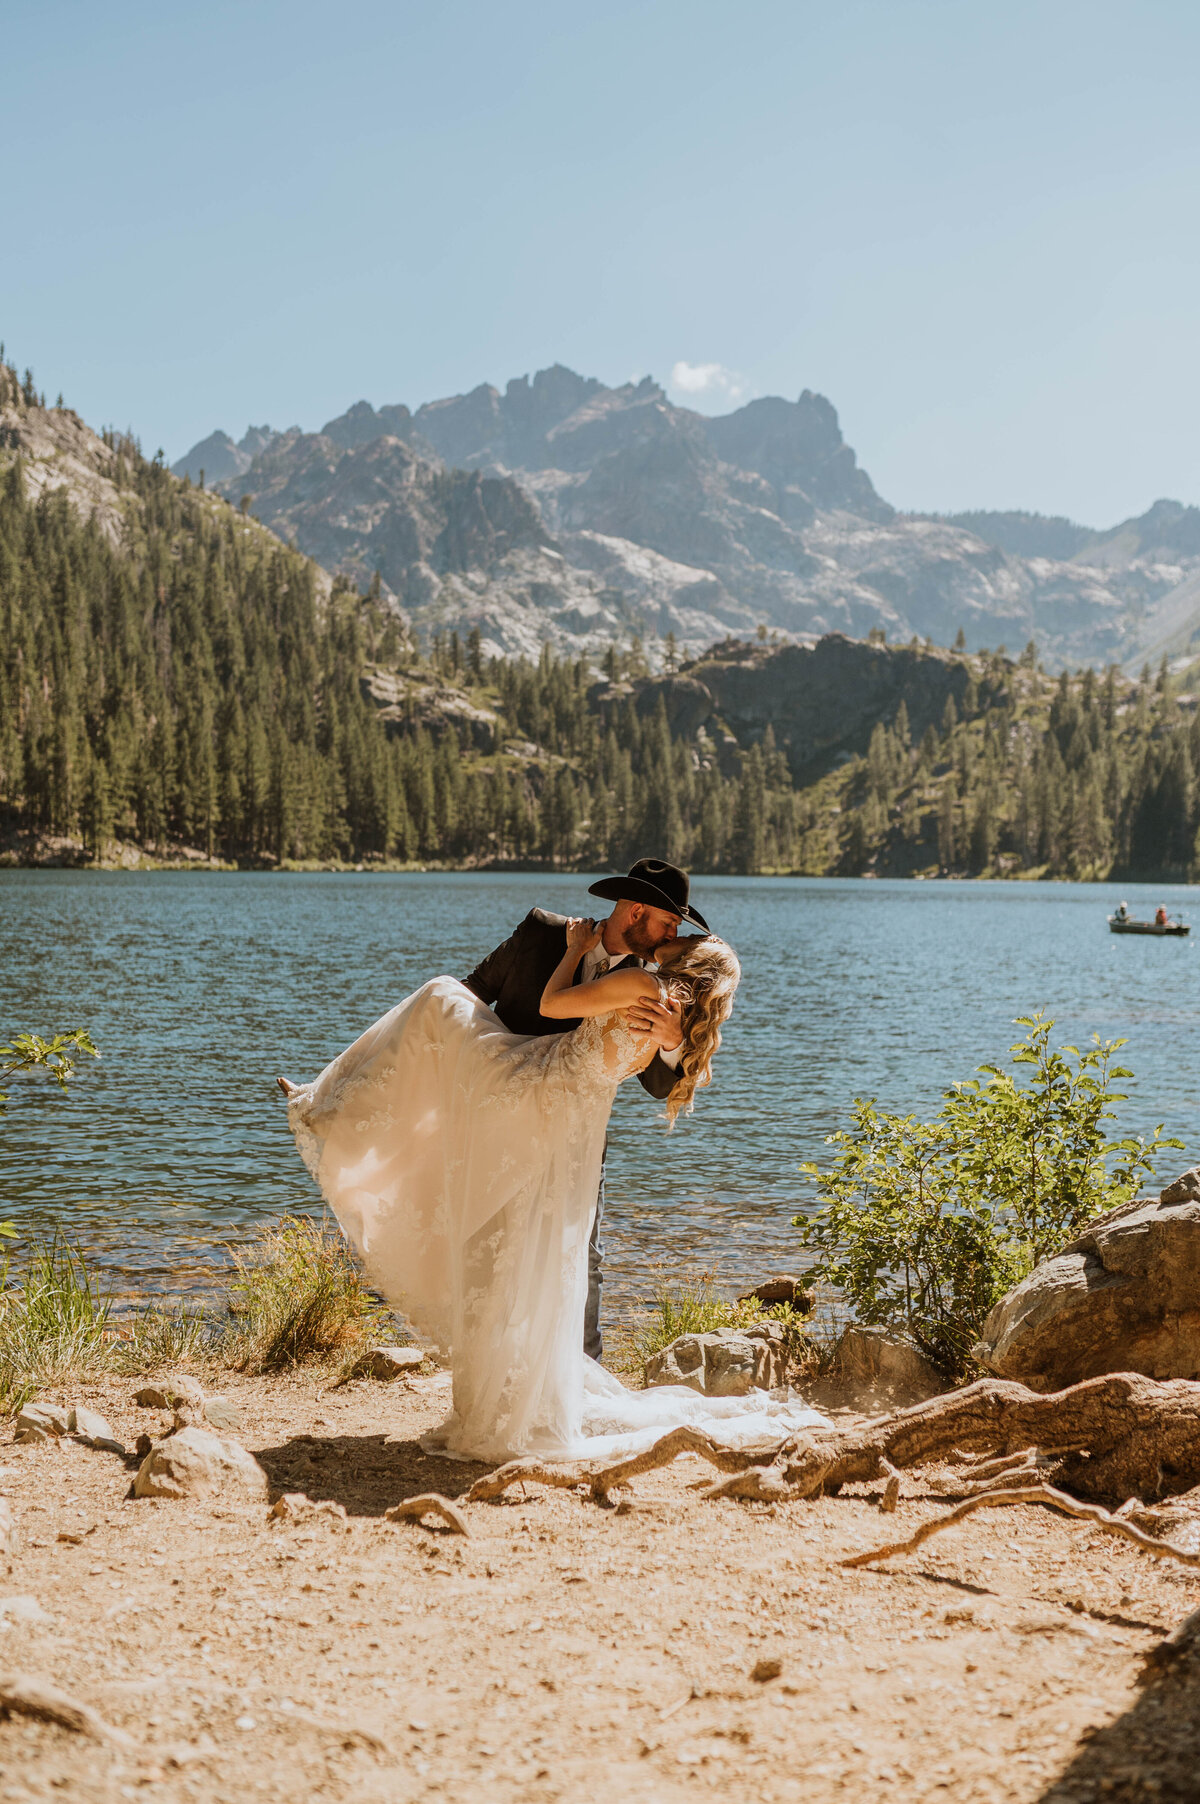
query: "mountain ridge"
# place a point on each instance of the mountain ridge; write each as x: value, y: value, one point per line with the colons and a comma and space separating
x: 655, y: 519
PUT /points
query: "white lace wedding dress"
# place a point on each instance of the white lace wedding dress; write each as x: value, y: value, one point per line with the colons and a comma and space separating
x: 463, y: 1162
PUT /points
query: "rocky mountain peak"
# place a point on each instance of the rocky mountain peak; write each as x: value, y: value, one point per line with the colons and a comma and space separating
x: 618, y: 511
x: 798, y: 447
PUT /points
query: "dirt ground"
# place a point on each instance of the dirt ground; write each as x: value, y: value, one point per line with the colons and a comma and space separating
x: 565, y: 1651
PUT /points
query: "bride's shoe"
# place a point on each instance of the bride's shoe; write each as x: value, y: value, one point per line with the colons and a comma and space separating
x: 288, y: 1087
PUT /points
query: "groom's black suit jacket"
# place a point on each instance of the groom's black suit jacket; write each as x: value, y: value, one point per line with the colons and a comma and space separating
x: 511, y: 980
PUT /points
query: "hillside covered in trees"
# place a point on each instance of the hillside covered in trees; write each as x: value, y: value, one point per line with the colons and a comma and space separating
x: 176, y: 682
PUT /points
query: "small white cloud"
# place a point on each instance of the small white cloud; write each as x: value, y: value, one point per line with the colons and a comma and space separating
x: 708, y: 381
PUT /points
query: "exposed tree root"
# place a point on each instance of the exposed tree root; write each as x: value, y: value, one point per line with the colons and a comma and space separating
x: 1087, y: 1512
x: 23, y: 1695
x: 600, y: 1480
x: 1109, y: 1438
x: 429, y: 1503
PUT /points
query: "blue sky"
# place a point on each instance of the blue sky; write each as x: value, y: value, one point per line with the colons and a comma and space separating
x: 970, y: 223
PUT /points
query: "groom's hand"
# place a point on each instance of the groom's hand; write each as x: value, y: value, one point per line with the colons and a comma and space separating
x: 663, y: 1021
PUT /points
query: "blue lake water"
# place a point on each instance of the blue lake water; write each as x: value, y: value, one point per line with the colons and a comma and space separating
x: 199, y: 988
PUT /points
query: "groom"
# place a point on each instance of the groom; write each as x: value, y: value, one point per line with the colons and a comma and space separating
x: 650, y: 901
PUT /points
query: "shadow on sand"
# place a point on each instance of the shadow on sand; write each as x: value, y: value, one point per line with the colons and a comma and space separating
x: 1150, y: 1753
x: 365, y: 1473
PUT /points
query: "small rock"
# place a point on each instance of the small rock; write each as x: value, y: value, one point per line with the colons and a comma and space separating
x: 8, y: 1527
x: 780, y: 1290
x: 94, y: 1431
x: 194, y: 1463
x: 170, y: 1393
x: 386, y: 1363
x: 22, y: 1609
x: 727, y: 1362
x: 765, y: 1670
x: 143, y: 1445
x: 1185, y: 1189
x: 221, y: 1413
x: 42, y: 1422
x: 292, y: 1504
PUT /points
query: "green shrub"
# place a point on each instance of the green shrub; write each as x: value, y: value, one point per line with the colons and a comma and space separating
x: 299, y: 1296
x: 924, y: 1225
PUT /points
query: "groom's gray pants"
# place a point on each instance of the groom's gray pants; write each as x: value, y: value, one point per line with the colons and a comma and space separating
x: 593, y: 1340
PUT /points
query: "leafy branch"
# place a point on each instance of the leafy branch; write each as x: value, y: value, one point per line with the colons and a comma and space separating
x: 30, y: 1052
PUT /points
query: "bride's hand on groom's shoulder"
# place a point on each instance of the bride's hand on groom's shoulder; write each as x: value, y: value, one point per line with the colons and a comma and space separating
x: 582, y: 934
x: 662, y: 1021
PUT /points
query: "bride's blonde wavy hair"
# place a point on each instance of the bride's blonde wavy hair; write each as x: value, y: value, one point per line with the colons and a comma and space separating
x: 704, y: 977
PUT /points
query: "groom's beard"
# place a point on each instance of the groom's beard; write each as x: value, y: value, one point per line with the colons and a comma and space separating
x: 642, y: 940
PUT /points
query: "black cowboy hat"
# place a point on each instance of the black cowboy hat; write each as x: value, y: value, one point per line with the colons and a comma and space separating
x: 650, y: 880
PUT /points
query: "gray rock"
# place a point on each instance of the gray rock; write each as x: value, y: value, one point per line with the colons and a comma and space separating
x: 222, y: 1413
x: 727, y: 1362
x: 93, y: 1430
x: 42, y: 1422
x: 387, y: 1363
x: 872, y: 1359
x: 194, y: 1463
x: 169, y: 1393
x: 1124, y: 1296
x: 23, y: 1609
x: 1185, y: 1189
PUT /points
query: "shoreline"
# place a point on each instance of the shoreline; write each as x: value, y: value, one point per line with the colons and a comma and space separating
x: 138, y: 862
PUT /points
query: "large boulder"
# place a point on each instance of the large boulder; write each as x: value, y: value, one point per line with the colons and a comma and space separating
x: 728, y: 1362
x: 195, y: 1464
x: 1124, y: 1296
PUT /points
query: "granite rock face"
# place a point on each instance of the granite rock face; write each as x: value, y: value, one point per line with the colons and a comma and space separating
x: 820, y: 701
x: 1123, y: 1297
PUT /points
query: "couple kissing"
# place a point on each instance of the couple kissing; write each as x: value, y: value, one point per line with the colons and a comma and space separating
x: 460, y: 1143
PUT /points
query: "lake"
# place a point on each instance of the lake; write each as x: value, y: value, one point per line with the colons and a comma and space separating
x: 200, y: 987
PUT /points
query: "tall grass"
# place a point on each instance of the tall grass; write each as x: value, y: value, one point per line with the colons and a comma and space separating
x: 56, y: 1325
x: 53, y: 1322
x: 298, y: 1296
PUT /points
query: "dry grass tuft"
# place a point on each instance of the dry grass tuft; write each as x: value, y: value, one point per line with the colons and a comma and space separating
x: 297, y: 1297
x: 694, y: 1305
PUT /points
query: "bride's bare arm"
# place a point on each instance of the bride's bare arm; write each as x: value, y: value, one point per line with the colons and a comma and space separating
x: 561, y: 1002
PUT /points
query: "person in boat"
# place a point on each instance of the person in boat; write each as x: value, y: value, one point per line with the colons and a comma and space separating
x: 1160, y: 916
x: 1122, y: 911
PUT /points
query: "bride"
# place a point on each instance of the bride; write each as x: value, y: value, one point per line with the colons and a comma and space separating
x: 462, y: 1162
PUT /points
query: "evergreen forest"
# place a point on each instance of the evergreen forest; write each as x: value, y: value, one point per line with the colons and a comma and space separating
x: 188, y: 683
